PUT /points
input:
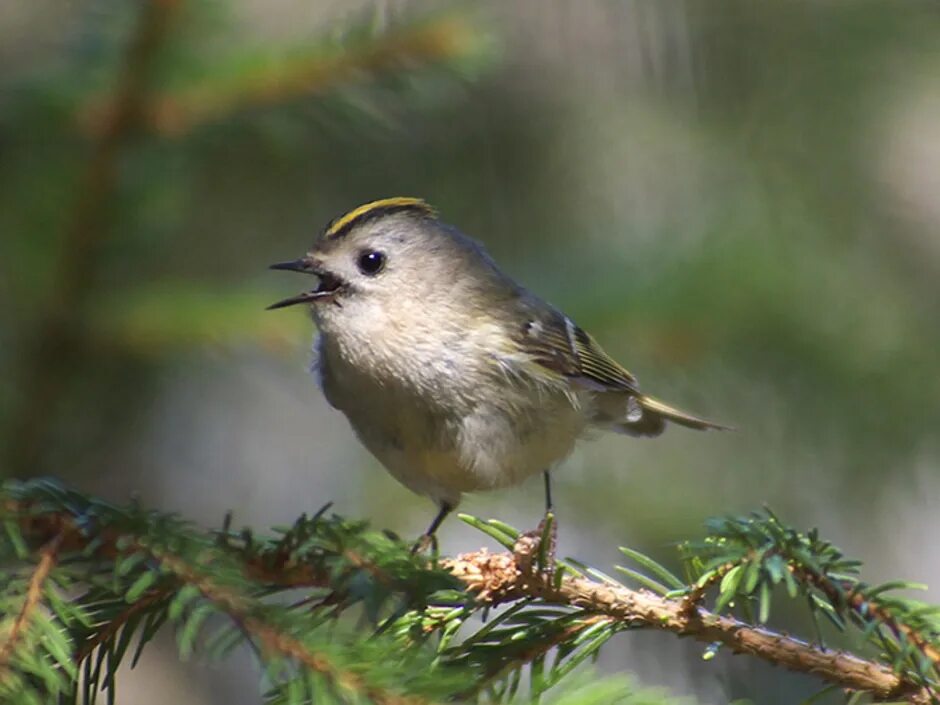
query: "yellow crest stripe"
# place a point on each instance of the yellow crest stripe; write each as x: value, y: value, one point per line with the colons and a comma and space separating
x: 384, y: 206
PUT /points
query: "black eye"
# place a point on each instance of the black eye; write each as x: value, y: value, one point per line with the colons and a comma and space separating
x: 371, y: 262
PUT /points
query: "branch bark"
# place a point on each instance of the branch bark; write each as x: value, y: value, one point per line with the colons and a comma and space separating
x: 506, y: 577
x: 48, y: 555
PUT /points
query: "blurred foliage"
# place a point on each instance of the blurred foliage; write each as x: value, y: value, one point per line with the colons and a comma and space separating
x: 177, y: 84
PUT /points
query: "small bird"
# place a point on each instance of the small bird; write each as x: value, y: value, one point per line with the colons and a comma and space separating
x: 454, y: 376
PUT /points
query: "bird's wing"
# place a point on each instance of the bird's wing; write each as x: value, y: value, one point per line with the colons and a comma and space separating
x: 562, y: 350
x: 559, y: 346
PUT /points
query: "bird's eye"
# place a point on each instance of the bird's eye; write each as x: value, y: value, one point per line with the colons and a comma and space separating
x: 371, y: 262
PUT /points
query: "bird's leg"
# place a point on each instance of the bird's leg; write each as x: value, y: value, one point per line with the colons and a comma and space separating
x: 428, y: 539
x: 548, y: 527
x: 546, y: 532
x: 548, y: 492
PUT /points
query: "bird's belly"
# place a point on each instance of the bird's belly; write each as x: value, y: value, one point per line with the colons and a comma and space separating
x: 482, y: 452
x: 481, y: 446
x: 499, y: 447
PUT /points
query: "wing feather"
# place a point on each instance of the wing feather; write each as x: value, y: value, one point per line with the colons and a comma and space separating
x: 556, y: 343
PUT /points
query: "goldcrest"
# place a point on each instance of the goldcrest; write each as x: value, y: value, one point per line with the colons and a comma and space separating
x: 454, y: 376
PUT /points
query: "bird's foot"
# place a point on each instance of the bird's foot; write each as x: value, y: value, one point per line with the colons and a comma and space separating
x: 428, y: 539
x: 426, y: 542
x: 545, y: 538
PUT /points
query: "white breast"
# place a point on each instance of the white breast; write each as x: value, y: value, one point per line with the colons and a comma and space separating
x: 445, y: 419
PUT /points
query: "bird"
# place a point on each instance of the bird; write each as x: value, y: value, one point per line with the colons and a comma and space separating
x: 454, y: 376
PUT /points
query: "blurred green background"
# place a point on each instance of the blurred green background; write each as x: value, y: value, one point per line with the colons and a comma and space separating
x: 741, y: 200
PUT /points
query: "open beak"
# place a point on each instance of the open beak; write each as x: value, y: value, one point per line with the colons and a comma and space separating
x: 304, y: 264
x: 301, y: 298
x: 328, y: 288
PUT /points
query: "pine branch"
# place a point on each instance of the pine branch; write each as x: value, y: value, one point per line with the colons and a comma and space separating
x: 506, y: 577
x: 156, y: 567
x: 274, y: 639
x: 48, y: 555
x: 853, y: 595
x: 159, y: 566
x: 748, y: 557
x: 537, y: 649
x: 119, y: 622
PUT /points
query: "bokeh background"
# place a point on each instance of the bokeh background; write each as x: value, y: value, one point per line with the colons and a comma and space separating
x: 741, y: 200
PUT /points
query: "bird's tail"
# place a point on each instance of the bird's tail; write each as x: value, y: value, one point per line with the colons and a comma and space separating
x: 658, y: 408
x: 647, y: 416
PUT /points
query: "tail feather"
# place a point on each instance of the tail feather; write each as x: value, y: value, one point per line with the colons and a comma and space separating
x: 640, y: 415
x: 656, y: 408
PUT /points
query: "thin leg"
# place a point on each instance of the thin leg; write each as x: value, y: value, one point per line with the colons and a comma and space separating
x: 547, y: 530
x: 439, y: 519
x: 427, y: 538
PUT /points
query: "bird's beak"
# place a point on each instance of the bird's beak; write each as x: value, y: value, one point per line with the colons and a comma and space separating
x: 304, y: 264
x: 328, y: 288
x: 301, y: 298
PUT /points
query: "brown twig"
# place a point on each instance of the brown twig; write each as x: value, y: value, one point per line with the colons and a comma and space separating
x: 871, y: 610
x: 276, y: 640
x: 58, y: 336
x: 114, y: 626
x: 693, y: 597
x: 503, y: 578
x: 67, y: 534
x: 48, y: 556
x: 529, y: 655
x: 864, y: 606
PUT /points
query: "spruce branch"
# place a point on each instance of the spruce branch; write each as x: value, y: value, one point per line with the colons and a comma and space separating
x: 748, y: 557
x: 274, y: 639
x: 506, y: 577
x: 874, y: 612
x: 853, y: 595
x: 557, y: 634
x: 121, y: 620
x: 144, y: 568
x: 693, y: 598
x: 48, y: 555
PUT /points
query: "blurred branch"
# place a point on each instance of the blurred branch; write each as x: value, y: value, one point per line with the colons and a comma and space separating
x: 274, y: 639
x: 64, y: 327
x: 48, y: 555
x: 305, y: 74
x: 121, y: 621
x: 59, y: 330
x: 156, y: 560
x: 153, y: 319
